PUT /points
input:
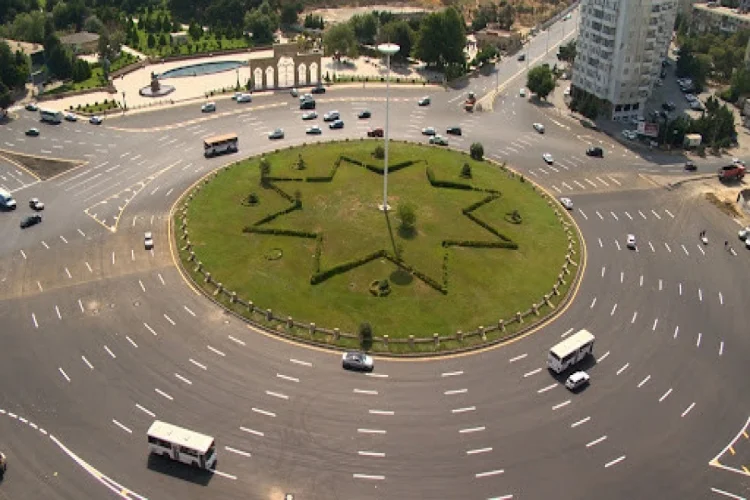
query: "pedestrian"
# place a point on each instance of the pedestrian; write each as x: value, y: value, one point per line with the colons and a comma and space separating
x: 726, y: 244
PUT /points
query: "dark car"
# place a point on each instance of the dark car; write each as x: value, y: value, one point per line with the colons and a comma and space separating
x: 690, y: 166
x: 522, y: 57
x: 595, y: 151
x: 375, y: 132
x: 31, y: 220
x: 453, y: 130
x: 357, y: 360
x: 336, y: 124
x: 309, y: 104
x: 318, y: 90
x: 364, y: 114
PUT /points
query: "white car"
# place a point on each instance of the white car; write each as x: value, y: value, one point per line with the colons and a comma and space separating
x: 71, y: 117
x: 310, y: 115
x: 209, y: 107
x: 567, y: 203
x: 744, y: 233
x: 631, y: 241
x: 95, y: 120
x: 35, y: 204
x: 306, y: 97
x: 425, y: 101
x: 567, y: 92
x: 737, y: 161
x: 357, y: 360
x: 539, y: 127
x: 548, y: 158
x: 577, y: 380
x: 314, y: 130
x: 148, y: 240
x: 428, y: 131
x: 331, y: 116
x: 294, y: 92
x: 244, y: 98
x: 522, y: 92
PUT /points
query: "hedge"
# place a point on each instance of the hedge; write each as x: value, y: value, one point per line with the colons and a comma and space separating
x: 279, y: 232
x: 345, y: 266
x: 419, y: 274
x: 480, y: 244
x: 318, y: 251
x: 296, y: 205
x: 280, y: 192
x: 480, y: 203
x: 446, y: 184
x: 391, y: 168
x: 487, y: 226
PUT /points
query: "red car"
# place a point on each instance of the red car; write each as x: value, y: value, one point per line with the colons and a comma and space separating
x: 375, y: 132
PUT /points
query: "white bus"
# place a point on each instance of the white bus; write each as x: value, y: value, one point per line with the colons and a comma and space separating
x: 219, y: 144
x: 182, y: 445
x: 570, y: 351
x: 50, y: 115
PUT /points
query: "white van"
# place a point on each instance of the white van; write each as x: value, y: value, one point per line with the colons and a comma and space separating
x: 6, y: 200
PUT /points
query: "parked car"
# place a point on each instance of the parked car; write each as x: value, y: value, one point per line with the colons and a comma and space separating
x: 336, y: 124
x: 310, y: 115
x: 567, y: 203
x: 148, y: 241
x: 277, y: 134
x: 539, y: 127
x: 744, y: 233
x: 364, y: 114
x: 96, y: 120
x: 70, y: 117
x: 319, y: 90
x: 595, y: 151
x: 357, y: 360
x: 428, y: 131
x: 331, y: 116
x: 375, y: 132
x: 31, y: 107
x: 31, y: 220
x: 33, y: 132
x: 631, y: 241
x: 453, y: 131
x: 314, y: 130
x: 577, y: 379
x: 521, y: 57
x: 424, y: 101
x: 438, y: 140
x: 209, y: 107
x: 548, y: 158
x: 690, y: 166
x: 35, y: 204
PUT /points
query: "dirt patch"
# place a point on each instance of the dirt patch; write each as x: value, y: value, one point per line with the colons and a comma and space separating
x: 726, y: 206
x: 44, y: 168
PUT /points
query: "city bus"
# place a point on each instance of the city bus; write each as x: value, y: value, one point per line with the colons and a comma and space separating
x: 219, y: 144
x: 182, y: 445
x: 50, y: 115
x: 570, y: 351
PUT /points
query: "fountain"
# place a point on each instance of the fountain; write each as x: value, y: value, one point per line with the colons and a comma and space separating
x: 156, y: 89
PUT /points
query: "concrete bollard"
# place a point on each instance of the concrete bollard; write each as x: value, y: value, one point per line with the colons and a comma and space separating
x: 556, y: 289
x: 184, y: 235
x: 482, y: 333
x: 549, y: 303
x: 289, y: 322
x: 535, y: 309
x: 312, y: 328
x: 336, y: 334
x: 411, y: 341
x: 233, y: 297
x: 519, y: 317
x: 199, y: 267
x: 565, y: 268
x: 219, y: 289
x: 250, y: 306
x: 385, y: 340
x: 567, y: 258
x: 460, y: 336
x: 192, y: 256
x: 208, y: 278
x: 436, y: 339
x: 269, y: 314
x: 501, y: 325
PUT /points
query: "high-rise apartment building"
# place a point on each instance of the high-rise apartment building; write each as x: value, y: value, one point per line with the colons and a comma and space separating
x: 619, y: 53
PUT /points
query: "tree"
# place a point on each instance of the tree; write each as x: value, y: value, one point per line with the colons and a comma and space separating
x: 6, y: 99
x: 476, y: 151
x: 261, y: 26
x: 567, y: 52
x: 441, y: 39
x: 314, y: 22
x: 195, y: 31
x: 289, y: 14
x: 151, y: 41
x: 365, y: 27
x: 60, y: 62
x: 540, y: 81
x: 81, y: 70
x: 365, y: 336
x: 163, y: 42
x: 400, y: 33
x: 14, y: 68
x: 407, y: 215
x: 93, y: 24
x: 340, y: 38
x: 29, y: 27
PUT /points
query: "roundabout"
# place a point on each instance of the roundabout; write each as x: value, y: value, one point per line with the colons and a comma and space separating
x: 101, y: 336
x: 465, y: 265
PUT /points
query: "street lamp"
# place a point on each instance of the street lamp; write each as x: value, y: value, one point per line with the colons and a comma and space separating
x: 124, y: 104
x: 388, y: 49
x: 238, y: 78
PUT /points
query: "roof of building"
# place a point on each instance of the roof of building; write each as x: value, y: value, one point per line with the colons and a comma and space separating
x: 25, y: 47
x: 722, y: 11
x: 80, y: 37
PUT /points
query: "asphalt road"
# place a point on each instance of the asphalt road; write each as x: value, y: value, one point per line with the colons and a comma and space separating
x: 101, y: 336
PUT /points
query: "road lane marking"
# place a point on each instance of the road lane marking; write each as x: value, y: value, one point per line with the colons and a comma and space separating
x: 298, y: 362
x: 700, y: 295
x: 635, y: 315
x: 223, y: 474
x: 57, y: 310
x: 566, y: 332
x: 721, y: 348
x: 365, y: 391
x: 252, y: 431
x: 665, y: 395
x: 614, y: 308
x: 171, y: 322
x: 595, y: 442
x: 687, y: 410
x: 561, y: 405
x: 382, y: 412
x: 624, y: 367
x: 376, y: 375
x: 118, y: 424
x: 470, y: 430
x: 164, y: 394
x: 187, y: 381
x: 142, y: 286
x: 451, y: 374
x: 721, y: 299
x: 149, y: 328
x: 64, y: 374
x: 376, y: 454
x: 109, y: 351
x: 63, y: 238
x: 698, y: 342
x: 287, y: 377
x: 216, y: 351
x: 614, y: 462
x: 371, y: 431
x: 580, y: 422
x: 455, y: 391
x: 545, y: 389
x: 478, y: 451
x: 656, y: 322
x: 23, y: 254
x: 369, y: 477
x: 199, y: 365
x: 236, y: 341
x: 532, y: 372
x: 667, y: 247
x: 643, y: 382
x: 264, y: 412
x: 518, y: 358
x: 277, y: 395
x: 191, y: 313
x: 593, y: 303
x: 603, y: 357
x: 80, y: 304
x: 88, y: 267
x: 161, y: 278
x: 68, y: 273
x: 727, y: 494
x: 131, y: 341
x: 45, y: 245
x: 144, y: 410
x: 464, y: 410
x: 622, y: 276
x: 88, y: 363
x: 488, y: 473
x: 238, y: 452
x: 33, y: 318
x: 39, y: 285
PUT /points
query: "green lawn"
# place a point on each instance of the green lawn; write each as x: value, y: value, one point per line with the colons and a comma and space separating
x: 483, y: 284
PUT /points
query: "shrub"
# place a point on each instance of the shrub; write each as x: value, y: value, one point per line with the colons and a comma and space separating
x: 406, y: 215
x: 466, y: 171
x: 476, y: 151
x: 300, y: 164
x: 365, y: 335
x: 252, y: 199
x: 265, y: 169
x: 379, y: 152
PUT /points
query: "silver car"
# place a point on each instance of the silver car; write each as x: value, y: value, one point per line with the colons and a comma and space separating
x: 357, y: 360
x: 567, y: 203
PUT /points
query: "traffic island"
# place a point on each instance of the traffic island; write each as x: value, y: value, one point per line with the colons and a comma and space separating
x: 469, y: 261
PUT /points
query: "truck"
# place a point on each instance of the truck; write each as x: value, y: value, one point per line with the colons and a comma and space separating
x: 470, y: 102
x: 733, y: 172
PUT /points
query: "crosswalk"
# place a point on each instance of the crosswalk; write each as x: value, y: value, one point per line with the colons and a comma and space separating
x: 661, y: 214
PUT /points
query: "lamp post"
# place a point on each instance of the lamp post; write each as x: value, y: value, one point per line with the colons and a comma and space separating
x: 124, y: 104
x: 238, y: 78
x: 388, y: 49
